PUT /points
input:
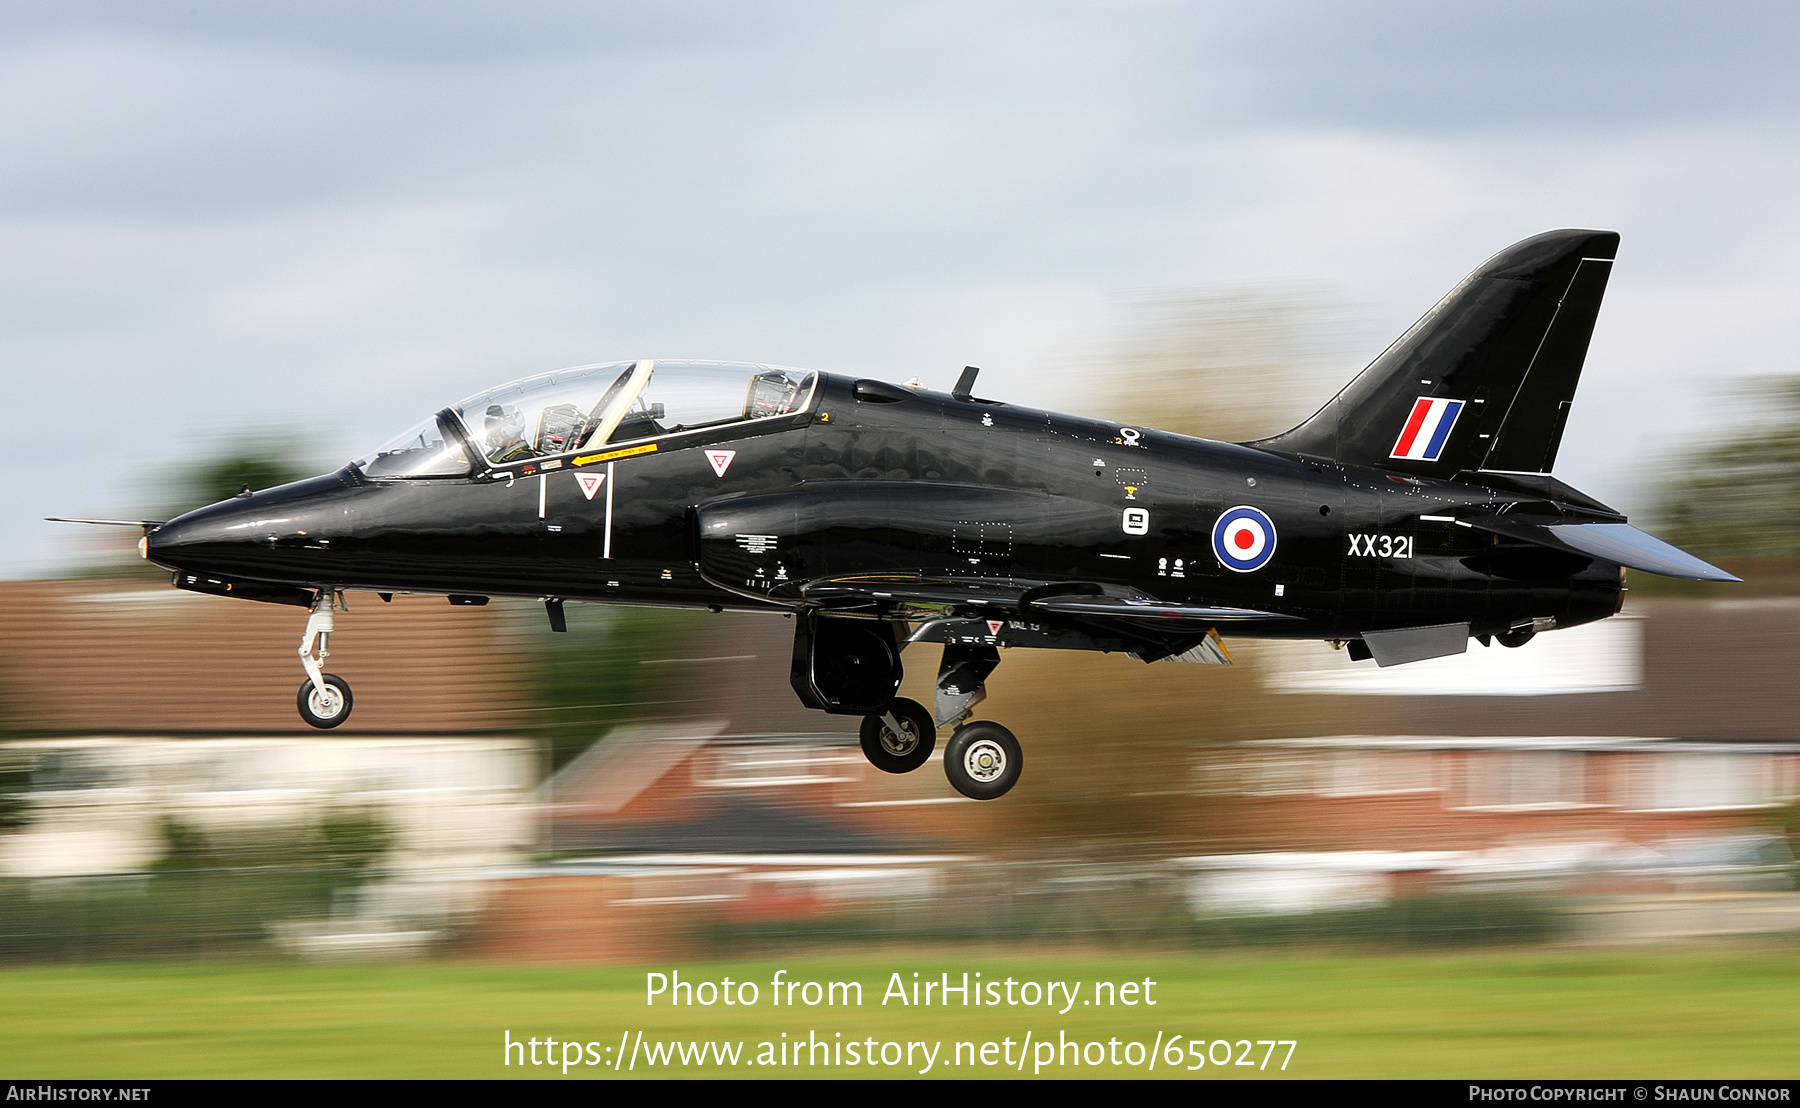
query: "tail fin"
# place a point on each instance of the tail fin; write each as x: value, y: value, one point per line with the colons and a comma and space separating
x: 1485, y: 379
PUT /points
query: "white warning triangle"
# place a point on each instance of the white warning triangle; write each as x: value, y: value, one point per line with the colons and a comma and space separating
x: 994, y: 626
x: 590, y: 483
x: 721, y: 460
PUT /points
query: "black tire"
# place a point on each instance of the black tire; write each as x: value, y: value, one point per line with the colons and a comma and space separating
x: 312, y: 711
x: 982, y: 760
x: 908, y: 752
x: 1516, y: 638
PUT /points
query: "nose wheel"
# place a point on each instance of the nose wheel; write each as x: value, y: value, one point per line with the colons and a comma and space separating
x: 900, y: 739
x: 325, y: 708
x: 982, y: 760
x: 324, y: 700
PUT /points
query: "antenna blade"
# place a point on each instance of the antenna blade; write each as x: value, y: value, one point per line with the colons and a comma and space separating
x: 965, y: 385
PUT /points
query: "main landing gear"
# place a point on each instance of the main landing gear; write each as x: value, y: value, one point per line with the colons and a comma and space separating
x: 900, y: 739
x: 852, y: 667
x: 982, y: 759
x: 324, y: 698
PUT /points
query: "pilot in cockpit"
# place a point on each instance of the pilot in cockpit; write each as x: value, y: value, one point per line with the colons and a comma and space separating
x: 503, y: 433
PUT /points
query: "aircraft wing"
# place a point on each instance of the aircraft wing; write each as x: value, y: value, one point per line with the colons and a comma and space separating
x: 1076, y: 600
x: 1143, y: 609
x: 1054, y: 614
x: 849, y: 591
x: 1619, y: 543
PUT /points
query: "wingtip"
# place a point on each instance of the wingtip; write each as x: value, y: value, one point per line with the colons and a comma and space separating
x: 108, y: 522
x: 1713, y: 573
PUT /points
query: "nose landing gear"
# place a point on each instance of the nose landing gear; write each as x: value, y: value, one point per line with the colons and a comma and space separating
x: 324, y: 699
x: 325, y: 709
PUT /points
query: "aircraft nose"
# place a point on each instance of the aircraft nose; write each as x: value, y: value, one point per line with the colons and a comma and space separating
x: 200, y: 539
x: 279, y: 534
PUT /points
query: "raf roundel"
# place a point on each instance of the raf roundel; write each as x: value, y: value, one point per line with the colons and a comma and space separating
x: 1244, y: 539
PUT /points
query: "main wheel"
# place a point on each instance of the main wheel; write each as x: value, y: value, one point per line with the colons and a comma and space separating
x: 329, y: 710
x: 982, y: 760
x: 1516, y: 638
x: 906, y: 751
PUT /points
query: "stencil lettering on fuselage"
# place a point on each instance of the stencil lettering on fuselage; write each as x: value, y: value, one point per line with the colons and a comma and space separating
x: 1133, y: 482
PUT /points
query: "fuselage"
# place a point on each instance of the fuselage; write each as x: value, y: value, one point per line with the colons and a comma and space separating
x: 942, y: 489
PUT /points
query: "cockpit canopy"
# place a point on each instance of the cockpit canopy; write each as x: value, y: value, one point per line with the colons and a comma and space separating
x: 588, y: 407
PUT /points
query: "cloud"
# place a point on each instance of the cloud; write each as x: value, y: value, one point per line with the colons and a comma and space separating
x: 249, y: 217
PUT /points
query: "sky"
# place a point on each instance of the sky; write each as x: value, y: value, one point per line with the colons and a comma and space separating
x: 317, y: 223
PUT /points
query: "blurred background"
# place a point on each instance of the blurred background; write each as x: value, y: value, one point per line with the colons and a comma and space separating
x: 251, y: 241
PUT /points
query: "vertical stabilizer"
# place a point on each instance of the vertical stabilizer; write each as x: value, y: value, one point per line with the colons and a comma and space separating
x: 1485, y: 379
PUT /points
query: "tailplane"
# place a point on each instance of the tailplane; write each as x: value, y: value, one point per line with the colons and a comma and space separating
x: 1485, y: 380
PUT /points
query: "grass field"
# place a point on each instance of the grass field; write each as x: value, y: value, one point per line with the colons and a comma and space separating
x: 1650, y: 1014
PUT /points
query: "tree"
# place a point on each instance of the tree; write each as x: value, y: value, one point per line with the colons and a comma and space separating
x: 590, y: 679
x: 15, y: 784
x: 1231, y: 365
x: 1740, y: 497
x: 261, y: 463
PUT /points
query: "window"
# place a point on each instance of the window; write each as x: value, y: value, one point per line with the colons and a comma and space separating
x: 593, y: 406
x: 1378, y: 773
x: 1526, y: 779
x: 552, y: 413
x: 608, y: 405
x: 1677, y: 781
x: 423, y: 451
x: 686, y: 396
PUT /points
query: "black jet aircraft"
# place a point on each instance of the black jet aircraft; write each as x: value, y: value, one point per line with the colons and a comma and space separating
x: 1414, y: 511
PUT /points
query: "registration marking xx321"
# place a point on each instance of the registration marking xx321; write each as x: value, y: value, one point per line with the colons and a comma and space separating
x: 1381, y: 546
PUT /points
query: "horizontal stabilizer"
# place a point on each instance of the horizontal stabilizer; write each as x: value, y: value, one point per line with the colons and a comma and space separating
x: 1619, y: 543
x: 146, y: 524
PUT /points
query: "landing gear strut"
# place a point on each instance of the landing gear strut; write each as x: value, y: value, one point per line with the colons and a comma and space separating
x: 324, y: 699
x: 962, y: 679
x: 982, y: 759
